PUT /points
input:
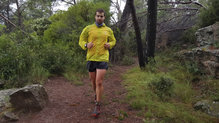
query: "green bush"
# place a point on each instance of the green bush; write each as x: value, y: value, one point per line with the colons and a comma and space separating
x: 2, y: 27
x: 162, y: 86
x: 193, y: 68
x: 210, y: 15
x: 127, y: 60
x: 17, y: 63
x: 40, y: 25
x: 151, y: 66
x: 15, y: 59
x: 189, y: 36
x: 56, y: 58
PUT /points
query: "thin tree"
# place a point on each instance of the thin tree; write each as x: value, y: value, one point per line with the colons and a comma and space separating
x: 151, y: 29
x: 125, y: 16
x: 138, y: 34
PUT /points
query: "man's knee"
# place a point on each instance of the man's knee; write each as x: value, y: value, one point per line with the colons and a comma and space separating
x: 99, y: 84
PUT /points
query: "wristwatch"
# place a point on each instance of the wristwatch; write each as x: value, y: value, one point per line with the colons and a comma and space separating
x: 85, y: 45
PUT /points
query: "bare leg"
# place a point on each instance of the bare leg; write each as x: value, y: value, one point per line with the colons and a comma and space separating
x: 92, y: 76
x: 99, y: 80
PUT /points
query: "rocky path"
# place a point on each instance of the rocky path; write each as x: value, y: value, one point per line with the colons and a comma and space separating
x: 69, y: 103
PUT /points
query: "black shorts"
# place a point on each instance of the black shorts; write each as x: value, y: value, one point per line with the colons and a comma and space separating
x: 93, y: 65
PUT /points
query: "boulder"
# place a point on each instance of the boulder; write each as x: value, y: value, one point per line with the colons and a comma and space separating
x: 29, y: 98
x: 10, y: 116
x: 212, y: 68
x: 4, y: 98
x: 209, y: 107
x: 208, y: 36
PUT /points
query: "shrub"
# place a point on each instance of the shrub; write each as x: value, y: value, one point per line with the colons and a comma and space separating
x: 127, y: 60
x: 162, y: 86
x: 40, y: 25
x: 210, y: 15
x: 56, y: 58
x: 189, y: 36
x: 17, y: 63
x: 193, y: 68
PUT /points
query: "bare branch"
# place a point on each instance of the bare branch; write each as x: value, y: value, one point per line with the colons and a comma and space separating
x: 69, y: 2
x: 183, y: 2
x: 13, y: 24
x: 170, y: 19
x: 177, y: 9
x: 177, y: 29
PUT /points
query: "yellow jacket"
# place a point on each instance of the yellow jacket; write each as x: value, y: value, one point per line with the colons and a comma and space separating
x: 99, y: 36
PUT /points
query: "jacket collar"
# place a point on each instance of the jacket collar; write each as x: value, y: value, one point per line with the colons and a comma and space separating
x: 100, y: 25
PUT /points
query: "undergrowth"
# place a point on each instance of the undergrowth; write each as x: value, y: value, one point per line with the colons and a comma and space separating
x: 163, y: 92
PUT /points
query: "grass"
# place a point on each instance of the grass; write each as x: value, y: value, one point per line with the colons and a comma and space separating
x: 122, y: 115
x: 176, y: 106
x: 74, y: 78
x: 127, y: 60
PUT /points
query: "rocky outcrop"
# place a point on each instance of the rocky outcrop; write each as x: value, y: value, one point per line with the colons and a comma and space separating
x: 207, y: 59
x: 30, y: 98
x: 207, y: 56
x: 208, y: 36
x: 211, y: 108
x: 212, y: 67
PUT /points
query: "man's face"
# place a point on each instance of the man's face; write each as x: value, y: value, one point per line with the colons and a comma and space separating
x: 99, y: 17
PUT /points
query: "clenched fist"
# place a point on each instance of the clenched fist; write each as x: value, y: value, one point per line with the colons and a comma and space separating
x: 107, y: 45
x: 90, y: 45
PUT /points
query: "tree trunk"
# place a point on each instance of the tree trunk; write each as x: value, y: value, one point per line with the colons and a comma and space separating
x: 125, y: 15
x: 19, y: 14
x: 74, y: 2
x: 151, y: 28
x: 8, y: 16
x: 137, y: 33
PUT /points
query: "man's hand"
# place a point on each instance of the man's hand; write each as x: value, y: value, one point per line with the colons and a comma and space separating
x: 90, y: 45
x: 107, y: 45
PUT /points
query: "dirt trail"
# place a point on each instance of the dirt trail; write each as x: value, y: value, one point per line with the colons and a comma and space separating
x: 74, y: 104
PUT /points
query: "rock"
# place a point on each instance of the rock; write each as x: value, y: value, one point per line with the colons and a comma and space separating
x: 4, y: 98
x: 202, y: 105
x: 200, y: 54
x: 206, y: 58
x: 29, y: 98
x: 213, y: 68
x: 208, y: 35
x: 211, y: 108
x: 9, y: 116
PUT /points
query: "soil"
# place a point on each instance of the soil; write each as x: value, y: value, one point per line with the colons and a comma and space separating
x: 70, y: 103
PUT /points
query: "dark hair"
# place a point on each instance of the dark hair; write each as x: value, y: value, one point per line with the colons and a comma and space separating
x: 100, y: 11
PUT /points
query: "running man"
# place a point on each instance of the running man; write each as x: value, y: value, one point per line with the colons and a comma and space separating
x: 97, y: 39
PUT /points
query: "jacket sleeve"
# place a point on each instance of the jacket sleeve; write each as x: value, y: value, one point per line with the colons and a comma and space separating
x: 111, y: 39
x: 83, y: 38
